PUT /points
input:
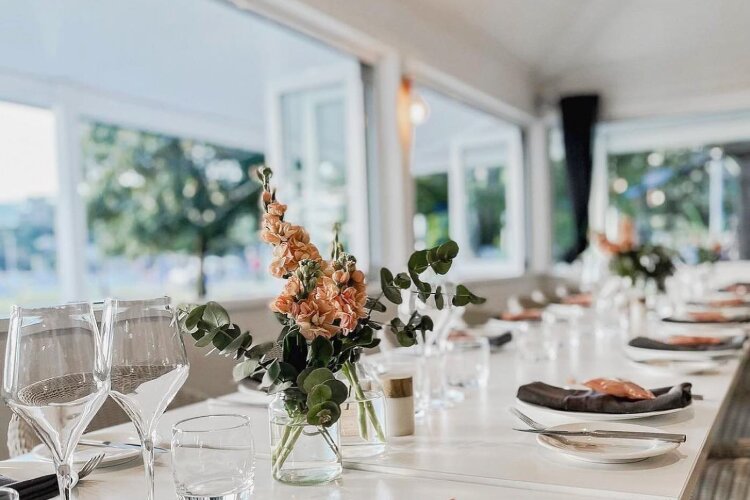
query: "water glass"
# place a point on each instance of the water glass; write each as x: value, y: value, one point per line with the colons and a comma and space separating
x: 536, y: 342
x: 467, y: 362
x: 8, y: 494
x: 213, y: 457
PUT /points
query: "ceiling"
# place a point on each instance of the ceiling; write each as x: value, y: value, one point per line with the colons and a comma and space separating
x: 576, y: 45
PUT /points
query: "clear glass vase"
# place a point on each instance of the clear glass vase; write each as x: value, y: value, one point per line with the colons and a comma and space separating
x: 301, y: 453
x: 362, y: 423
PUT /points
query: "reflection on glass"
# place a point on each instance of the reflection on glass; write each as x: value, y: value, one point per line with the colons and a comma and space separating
x: 485, y: 184
x: 682, y: 197
x: 28, y: 198
x: 431, y: 217
x: 170, y: 214
x: 57, y: 373
x: 314, y: 158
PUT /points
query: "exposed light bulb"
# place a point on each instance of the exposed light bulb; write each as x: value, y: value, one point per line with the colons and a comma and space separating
x: 419, y: 111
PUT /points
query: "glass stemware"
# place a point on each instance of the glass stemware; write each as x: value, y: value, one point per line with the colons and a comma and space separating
x: 149, y: 365
x: 56, y: 377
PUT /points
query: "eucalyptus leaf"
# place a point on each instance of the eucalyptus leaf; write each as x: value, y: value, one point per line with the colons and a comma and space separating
x: 303, y: 375
x: 319, y: 394
x: 321, y: 350
x: 439, y: 299
x: 448, y: 250
x: 317, y: 376
x: 402, y: 281
x: 339, y: 391
x: 244, y: 369
x: 325, y: 414
x: 418, y: 262
x: 195, y: 315
x: 215, y: 315
x: 207, y: 338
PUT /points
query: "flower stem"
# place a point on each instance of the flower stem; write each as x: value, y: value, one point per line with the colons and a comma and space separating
x: 292, y: 431
x: 366, y: 408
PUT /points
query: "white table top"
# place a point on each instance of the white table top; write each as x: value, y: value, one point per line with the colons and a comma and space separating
x: 470, y: 450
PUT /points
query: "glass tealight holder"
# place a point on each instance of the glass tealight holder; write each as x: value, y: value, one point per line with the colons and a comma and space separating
x: 213, y: 458
x: 467, y: 362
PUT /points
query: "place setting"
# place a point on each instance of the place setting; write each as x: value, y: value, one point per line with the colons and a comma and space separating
x: 598, y: 409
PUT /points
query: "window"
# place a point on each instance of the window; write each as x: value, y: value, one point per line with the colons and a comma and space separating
x: 467, y: 167
x: 677, y: 179
x: 155, y: 156
x: 28, y: 199
x: 680, y: 197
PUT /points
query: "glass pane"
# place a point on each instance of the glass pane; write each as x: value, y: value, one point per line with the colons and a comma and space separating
x: 485, y: 184
x: 314, y: 157
x: 28, y: 198
x: 165, y: 213
x: 431, y: 218
x: 454, y: 142
x: 668, y: 194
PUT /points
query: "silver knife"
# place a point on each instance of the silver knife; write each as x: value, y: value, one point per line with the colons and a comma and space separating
x: 662, y: 436
x: 112, y: 444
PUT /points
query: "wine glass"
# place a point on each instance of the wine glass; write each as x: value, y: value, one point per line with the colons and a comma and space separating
x: 149, y: 365
x: 56, y: 377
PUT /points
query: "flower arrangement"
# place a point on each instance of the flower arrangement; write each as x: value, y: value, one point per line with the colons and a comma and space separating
x: 644, y: 262
x: 327, y: 319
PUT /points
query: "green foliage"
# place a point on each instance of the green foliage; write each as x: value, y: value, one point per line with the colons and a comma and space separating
x: 439, y: 259
x: 646, y: 262
x: 150, y: 193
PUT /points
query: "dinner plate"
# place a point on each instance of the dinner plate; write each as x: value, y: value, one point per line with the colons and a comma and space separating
x: 644, y: 354
x: 112, y: 456
x: 680, y: 367
x: 597, y: 417
x: 606, y: 450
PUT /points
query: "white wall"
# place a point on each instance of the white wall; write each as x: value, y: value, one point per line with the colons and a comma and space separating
x: 418, y: 35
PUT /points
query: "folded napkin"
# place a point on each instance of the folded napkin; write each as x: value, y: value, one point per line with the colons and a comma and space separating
x: 577, y: 400
x: 38, y: 488
x: 735, y: 342
x: 726, y: 319
x: 500, y: 340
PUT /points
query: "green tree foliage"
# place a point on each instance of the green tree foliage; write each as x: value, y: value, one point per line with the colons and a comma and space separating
x: 149, y: 193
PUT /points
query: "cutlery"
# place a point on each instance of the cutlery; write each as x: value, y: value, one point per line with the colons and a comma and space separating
x: 536, y: 425
x: 22, y: 486
x: 112, y: 444
x: 661, y: 436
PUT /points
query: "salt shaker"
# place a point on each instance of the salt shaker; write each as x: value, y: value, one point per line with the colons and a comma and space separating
x: 399, y: 405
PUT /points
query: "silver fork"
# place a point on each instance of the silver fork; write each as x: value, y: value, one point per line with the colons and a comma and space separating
x: 527, y: 420
x: 89, y: 466
x: 536, y: 425
x: 87, y: 469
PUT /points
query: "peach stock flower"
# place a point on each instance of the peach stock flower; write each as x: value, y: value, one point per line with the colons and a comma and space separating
x: 323, y: 298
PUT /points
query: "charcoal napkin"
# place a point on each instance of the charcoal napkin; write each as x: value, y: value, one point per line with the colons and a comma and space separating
x: 38, y: 488
x: 735, y: 342
x: 589, y: 401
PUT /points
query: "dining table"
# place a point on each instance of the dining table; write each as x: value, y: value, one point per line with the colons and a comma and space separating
x: 469, y: 449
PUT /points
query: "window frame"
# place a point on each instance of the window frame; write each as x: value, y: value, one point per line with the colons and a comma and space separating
x: 475, y: 267
x: 356, y: 157
x: 646, y: 134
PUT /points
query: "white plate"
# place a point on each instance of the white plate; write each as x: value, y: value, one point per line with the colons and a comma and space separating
x: 597, y: 417
x: 112, y: 456
x: 675, y: 367
x: 643, y: 354
x: 606, y: 450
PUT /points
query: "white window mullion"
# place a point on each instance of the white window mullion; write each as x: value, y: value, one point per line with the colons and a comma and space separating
x: 70, y: 223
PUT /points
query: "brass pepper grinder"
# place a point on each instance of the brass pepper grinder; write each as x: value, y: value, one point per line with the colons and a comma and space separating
x: 399, y: 405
